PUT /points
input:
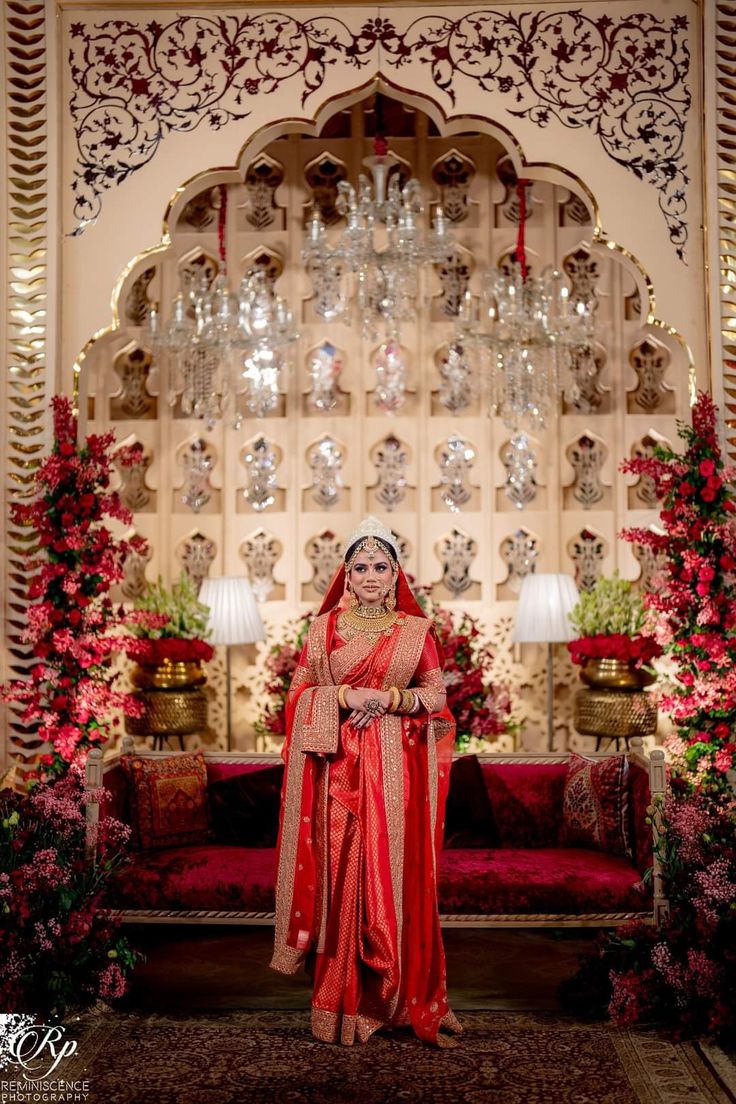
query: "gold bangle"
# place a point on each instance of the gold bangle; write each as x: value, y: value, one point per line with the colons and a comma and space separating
x: 407, y: 701
x: 395, y: 702
x: 342, y: 691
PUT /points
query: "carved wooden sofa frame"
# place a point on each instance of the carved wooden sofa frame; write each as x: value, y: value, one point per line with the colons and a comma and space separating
x: 654, y: 764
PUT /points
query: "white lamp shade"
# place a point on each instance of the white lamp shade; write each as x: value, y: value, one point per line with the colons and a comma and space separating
x: 544, y: 604
x: 234, y: 614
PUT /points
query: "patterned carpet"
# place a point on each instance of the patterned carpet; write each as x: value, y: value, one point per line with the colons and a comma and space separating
x: 503, y: 1058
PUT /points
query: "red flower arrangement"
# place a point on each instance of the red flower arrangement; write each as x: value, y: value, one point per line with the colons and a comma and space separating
x: 59, y: 946
x: 628, y: 649
x: 170, y: 649
x: 683, y: 974
x: 73, y: 624
x: 481, y: 710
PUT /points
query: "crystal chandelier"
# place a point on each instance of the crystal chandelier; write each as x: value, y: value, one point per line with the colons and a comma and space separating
x: 371, y: 273
x: 538, y: 341
x: 225, y: 351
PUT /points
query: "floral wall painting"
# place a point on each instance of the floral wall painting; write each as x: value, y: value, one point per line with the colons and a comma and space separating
x: 623, y: 77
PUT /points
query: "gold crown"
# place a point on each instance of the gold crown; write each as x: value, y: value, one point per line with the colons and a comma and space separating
x: 372, y: 527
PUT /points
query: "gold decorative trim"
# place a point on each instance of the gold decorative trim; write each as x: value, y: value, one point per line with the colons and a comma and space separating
x: 27, y: 303
x: 722, y: 40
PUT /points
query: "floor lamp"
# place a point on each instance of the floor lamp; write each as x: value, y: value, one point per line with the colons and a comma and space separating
x: 541, y: 618
x: 234, y: 619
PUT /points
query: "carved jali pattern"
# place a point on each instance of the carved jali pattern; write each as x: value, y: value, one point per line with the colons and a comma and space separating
x: 624, y: 77
x: 264, y: 260
x: 260, y: 459
x: 519, y: 551
x: 133, y: 490
x: 390, y: 458
x: 196, y: 270
x: 261, y: 551
x: 455, y: 458
x: 325, y: 459
x: 196, y: 460
x: 520, y: 464
x: 196, y: 554
x: 586, y: 456
x: 137, y: 303
x: 456, y: 552
x: 133, y: 366
x: 324, y: 553
x: 509, y: 207
x: 453, y: 174
x: 322, y: 175
x: 134, y: 580
x: 262, y: 178
x: 587, y: 551
x: 644, y: 492
x: 586, y: 392
x: 583, y: 270
x: 199, y: 213
x: 650, y: 360
x: 454, y: 274
x: 651, y: 564
x: 574, y: 212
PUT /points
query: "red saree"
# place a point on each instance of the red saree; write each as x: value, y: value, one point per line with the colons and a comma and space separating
x: 361, y: 830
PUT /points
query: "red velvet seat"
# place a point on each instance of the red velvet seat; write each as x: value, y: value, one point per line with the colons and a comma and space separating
x: 212, y: 876
x: 543, y: 880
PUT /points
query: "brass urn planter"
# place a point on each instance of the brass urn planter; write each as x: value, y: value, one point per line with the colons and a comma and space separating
x: 615, y: 674
x: 172, y: 699
x: 615, y: 706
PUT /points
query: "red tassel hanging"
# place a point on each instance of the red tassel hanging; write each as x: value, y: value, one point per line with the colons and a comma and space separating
x: 521, y: 186
x: 221, y: 226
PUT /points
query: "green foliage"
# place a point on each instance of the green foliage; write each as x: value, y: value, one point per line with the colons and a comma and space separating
x: 612, y: 606
x: 187, y: 615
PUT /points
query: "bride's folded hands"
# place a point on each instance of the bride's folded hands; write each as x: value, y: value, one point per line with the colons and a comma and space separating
x: 366, y: 703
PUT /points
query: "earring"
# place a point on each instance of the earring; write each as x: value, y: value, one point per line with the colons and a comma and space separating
x: 354, y: 603
x: 391, y: 599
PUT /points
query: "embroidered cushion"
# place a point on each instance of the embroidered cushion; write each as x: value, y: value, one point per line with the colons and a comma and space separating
x: 595, y: 804
x: 168, y: 800
x: 468, y: 812
x: 245, y: 808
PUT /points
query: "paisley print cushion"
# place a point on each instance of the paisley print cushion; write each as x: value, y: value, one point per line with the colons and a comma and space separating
x: 595, y: 804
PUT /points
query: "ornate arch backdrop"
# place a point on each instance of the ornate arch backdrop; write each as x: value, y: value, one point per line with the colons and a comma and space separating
x: 274, y: 497
x: 151, y: 97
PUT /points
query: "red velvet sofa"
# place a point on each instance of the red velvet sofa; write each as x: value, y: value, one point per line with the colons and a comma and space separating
x: 527, y: 878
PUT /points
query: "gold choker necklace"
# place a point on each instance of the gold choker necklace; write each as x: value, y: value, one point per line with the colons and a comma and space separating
x: 370, y: 618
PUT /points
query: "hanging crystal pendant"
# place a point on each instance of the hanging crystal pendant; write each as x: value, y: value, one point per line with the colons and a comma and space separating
x: 224, y: 350
x: 390, y: 392
x: 372, y: 270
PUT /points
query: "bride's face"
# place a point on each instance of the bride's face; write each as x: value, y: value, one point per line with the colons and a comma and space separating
x: 371, y: 578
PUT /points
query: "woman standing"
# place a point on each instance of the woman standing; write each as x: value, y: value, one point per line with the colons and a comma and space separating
x: 367, y: 753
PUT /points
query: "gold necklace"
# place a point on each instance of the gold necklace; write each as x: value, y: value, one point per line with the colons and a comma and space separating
x: 378, y: 620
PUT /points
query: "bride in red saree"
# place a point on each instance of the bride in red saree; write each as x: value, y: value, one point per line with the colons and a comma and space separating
x: 367, y: 753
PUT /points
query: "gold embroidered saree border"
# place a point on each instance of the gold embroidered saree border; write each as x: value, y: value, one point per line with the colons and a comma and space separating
x: 392, y: 765
x: 286, y: 959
